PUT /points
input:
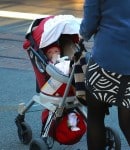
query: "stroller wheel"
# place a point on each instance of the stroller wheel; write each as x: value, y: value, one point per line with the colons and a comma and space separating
x: 112, y: 139
x: 24, y: 133
x: 38, y: 144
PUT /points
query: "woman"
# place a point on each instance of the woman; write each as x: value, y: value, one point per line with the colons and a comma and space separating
x: 108, y: 72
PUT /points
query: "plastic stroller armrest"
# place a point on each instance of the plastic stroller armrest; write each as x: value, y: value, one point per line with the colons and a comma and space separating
x: 56, y: 73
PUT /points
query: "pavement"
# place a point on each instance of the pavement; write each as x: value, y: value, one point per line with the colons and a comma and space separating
x: 17, y: 80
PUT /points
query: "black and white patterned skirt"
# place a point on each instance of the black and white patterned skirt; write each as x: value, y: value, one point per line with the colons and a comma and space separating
x: 106, y: 86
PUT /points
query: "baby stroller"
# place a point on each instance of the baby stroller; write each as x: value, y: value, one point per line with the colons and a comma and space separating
x: 55, y: 118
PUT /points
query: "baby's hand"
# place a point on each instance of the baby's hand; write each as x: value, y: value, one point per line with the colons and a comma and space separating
x: 55, y: 58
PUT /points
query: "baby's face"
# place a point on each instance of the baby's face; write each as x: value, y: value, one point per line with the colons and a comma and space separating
x: 53, y: 53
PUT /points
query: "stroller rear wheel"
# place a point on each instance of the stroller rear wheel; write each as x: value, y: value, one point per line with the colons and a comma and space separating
x: 38, y: 144
x: 24, y: 133
x: 112, y: 139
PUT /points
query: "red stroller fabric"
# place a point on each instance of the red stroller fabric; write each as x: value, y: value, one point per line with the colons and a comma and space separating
x: 64, y: 135
x: 61, y: 132
x: 36, y: 33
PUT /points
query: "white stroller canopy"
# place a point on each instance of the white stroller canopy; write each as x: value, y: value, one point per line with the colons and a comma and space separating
x: 55, y: 26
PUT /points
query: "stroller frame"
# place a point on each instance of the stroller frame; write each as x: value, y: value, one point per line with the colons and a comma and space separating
x: 54, y: 104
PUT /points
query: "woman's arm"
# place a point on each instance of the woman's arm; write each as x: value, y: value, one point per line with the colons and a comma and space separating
x: 91, y: 19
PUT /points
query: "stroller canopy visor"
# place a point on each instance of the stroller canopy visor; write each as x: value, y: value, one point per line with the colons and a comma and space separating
x: 50, y: 29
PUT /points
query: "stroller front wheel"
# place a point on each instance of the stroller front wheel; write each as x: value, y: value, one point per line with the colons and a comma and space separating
x: 24, y: 133
x: 38, y: 144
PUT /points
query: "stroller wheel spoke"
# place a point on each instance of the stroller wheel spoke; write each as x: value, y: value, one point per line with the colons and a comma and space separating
x: 38, y: 144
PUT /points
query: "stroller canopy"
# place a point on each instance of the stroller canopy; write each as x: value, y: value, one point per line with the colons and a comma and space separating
x: 48, y: 30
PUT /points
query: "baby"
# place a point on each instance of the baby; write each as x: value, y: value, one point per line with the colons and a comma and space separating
x: 52, y: 52
x: 52, y: 86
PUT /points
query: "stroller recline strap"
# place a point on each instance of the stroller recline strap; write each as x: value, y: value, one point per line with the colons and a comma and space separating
x: 32, y: 41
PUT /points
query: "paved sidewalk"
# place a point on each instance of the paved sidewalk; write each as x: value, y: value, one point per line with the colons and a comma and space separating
x: 51, y: 7
x: 12, y: 36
